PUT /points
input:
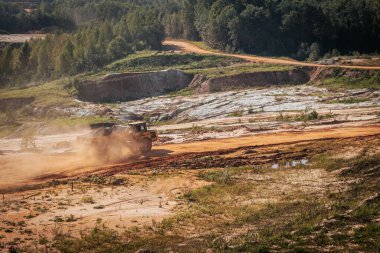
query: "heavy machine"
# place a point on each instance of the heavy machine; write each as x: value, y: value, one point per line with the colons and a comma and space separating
x: 109, y: 138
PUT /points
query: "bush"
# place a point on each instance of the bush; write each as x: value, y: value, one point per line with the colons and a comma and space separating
x: 117, y: 48
x: 282, y: 117
x: 313, y: 115
x: 315, y: 52
x: 87, y: 200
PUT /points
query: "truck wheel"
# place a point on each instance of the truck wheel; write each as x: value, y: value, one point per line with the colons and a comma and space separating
x: 145, y: 145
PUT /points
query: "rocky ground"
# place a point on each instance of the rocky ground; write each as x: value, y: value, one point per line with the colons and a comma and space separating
x: 226, y: 114
x: 233, y: 103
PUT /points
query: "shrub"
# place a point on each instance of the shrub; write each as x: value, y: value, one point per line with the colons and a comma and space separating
x: 315, y: 52
x: 87, y: 200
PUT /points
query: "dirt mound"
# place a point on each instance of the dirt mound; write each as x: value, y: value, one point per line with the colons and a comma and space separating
x: 130, y: 86
x: 249, y: 80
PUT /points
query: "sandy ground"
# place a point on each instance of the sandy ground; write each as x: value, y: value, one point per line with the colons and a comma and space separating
x: 144, y: 197
x: 139, y: 201
x: 59, y: 156
x: 269, y: 139
x: 20, y: 169
x: 191, y: 48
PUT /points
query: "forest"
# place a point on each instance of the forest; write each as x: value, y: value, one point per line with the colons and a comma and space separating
x: 89, y: 34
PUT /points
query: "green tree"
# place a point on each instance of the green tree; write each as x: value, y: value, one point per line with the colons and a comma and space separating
x: 22, y: 57
x: 187, y: 18
x: 217, y: 33
x: 5, y: 60
x: 66, y: 59
x: 44, y: 62
x: 315, y: 52
x: 117, y: 48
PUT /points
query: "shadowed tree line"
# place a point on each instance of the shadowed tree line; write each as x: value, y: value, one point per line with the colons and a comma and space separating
x: 88, y: 49
x: 15, y: 18
x: 110, y: 29
x: 297, y: 28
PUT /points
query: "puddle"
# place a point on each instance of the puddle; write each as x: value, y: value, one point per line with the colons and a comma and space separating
x: 289, y: 164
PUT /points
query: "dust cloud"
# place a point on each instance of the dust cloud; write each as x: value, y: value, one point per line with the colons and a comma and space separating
x: 61, y: 156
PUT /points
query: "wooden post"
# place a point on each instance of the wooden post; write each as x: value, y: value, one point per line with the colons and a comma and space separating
x: 72, y: 185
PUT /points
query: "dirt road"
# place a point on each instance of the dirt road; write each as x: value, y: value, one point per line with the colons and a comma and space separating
x: 191, y: 48
x: 269, y: 139
x: 63, y: 166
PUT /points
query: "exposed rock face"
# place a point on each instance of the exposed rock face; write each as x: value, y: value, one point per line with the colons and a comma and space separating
x: 197, y: 81
x: 249, y: 80
x: 130, y: 86
x: 14, y: 103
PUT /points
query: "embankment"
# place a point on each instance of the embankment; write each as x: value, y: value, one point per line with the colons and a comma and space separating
x: 14, y: 103
x: 131, y: 86
x: 250, y: 80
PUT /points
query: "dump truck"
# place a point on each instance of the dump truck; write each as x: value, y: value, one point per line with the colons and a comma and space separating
x: 109, y: 137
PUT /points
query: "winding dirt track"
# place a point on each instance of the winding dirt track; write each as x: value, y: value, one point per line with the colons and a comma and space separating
x: 160, y: 155
x: 270, y: 139
x: 191, y: 48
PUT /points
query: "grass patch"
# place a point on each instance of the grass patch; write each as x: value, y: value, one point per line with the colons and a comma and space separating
x: 368, y: 82
x: 153, y: 61
x: 235, y: 70
x: 222, y: 176
x: 369, y: 237
x: 231, y: 207
x: 183, y: 93
x: 67, y: 122
x: 306, y: 115
x: 87, y: 200
x: 202, y: 45
x: 236, y: 113
x: 49, y: 94
x: 324, y: 161
x: 350, y: 100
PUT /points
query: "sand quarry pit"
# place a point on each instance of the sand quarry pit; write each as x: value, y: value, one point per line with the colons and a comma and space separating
x: 60, y: 188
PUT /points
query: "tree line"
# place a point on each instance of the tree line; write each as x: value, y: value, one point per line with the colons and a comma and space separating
x: 15, y: 19
x: 297, y: 28
x: 89, y: 48
x: 110, y: 29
